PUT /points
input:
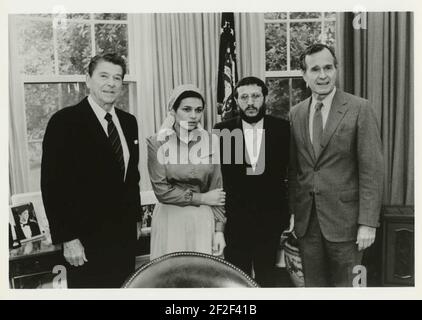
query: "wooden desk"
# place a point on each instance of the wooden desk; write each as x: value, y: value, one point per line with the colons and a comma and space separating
x: 398, y: 252
x: 31, y: 265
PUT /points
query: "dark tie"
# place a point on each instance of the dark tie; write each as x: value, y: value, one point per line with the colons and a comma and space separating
x: 116, y: 145
x: 317, y: 129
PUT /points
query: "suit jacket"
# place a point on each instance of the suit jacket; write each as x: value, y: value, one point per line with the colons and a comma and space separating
x: 83, y: 192
x: 256, y: 204
x: 347, y: 177
x: 35, y: 230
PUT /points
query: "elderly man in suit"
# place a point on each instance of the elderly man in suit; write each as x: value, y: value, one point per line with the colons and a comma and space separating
x: 336, y: 175
x: 254, y: 159
x: 90, y: 180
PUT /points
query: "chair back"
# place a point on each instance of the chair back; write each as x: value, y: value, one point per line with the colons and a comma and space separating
x: 189, y: 270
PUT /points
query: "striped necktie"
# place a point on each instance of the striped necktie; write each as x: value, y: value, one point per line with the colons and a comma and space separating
x: 113, y: 137
x: 317, y: 129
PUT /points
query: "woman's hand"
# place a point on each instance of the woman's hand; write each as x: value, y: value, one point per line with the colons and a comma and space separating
x: 216, y: 197
x: 218, y: 243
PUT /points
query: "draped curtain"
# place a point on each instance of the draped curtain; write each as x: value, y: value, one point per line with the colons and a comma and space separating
x: 18, y: 154
x: 377, y: 63
x: 250, y: 40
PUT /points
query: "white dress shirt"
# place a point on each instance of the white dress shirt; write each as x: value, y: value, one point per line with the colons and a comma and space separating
x: 253, y: 139
x: 101, y: 113
x: 325, y: 110
x: 26, y: 229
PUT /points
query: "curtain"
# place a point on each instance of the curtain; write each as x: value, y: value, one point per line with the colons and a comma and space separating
x: 186, y: 51
x: 377, y: 63
x: 173, y: 49
x: 18, y: 154
x: 250, y: 41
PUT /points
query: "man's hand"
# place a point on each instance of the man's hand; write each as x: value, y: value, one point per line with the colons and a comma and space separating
x: 366, y: 237
x: 218, y: 243
x: 74, y: 253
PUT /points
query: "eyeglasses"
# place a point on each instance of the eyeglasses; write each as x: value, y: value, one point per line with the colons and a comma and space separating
x: 254, y: 96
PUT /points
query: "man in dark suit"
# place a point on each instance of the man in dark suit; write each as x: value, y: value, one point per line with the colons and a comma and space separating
x: 254, y: 167
x: 90, y: 181
x: 336, y: 176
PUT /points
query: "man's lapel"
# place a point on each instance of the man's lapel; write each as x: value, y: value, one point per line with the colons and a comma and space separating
x: 94, y: 127
x: 100, y: 140
x: 124, y: 123
x: 337, y: 112
x: 304, y: 127
x: 246, y: 160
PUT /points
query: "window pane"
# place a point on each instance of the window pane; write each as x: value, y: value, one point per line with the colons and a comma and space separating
x: 35, y: 47
x: 35, y: 152
x: 111, y: 38
x: 330, y: 33
x: 278, y: 99
x: 78, y: 16
x: 275, y: 47
x: 110, y: 16
x: 74, y: 48
x: 330, y: 15
x: 275, y: 15
x: 305, y: 15
x: 71, y: 93
x: 42, y: 100
x: 302, y: 34
x: 299, y: 91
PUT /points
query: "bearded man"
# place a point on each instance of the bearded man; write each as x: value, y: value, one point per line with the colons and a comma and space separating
x: 256, y: 197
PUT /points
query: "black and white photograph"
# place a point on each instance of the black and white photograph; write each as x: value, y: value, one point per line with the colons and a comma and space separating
x: 25, y: 223
x: 258, y: 149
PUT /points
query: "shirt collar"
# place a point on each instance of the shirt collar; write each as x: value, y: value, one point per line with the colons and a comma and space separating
x: 327, y: 101
x: 100, y: 112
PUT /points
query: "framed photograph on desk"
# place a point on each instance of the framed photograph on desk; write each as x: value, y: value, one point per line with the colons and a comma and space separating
x: 24, y: 223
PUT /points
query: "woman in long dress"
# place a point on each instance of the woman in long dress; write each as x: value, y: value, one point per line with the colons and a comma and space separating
x: 183, y: 164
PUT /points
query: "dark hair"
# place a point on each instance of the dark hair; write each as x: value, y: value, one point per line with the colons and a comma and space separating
x: 251, y: 81
x: 187, y: 94
x: 109, y: 57
x: 314, y: 48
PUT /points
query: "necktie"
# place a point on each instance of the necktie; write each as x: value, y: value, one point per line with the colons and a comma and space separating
x: 317, y: 129
x: 113, y: 137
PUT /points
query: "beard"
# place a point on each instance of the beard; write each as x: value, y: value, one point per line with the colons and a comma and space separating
x: 253, y: 119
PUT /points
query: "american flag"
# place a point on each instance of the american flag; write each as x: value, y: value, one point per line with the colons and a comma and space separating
x: 227, y: 71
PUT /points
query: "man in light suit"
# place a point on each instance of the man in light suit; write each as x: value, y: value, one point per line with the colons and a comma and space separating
x: 90, y: 181
x: 256, y: 196
x: 336, y: 174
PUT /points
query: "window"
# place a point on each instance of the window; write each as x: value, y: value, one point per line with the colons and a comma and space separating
x: 53, y: 53
x: 287, y: 34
